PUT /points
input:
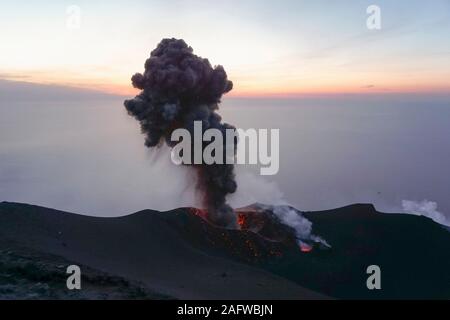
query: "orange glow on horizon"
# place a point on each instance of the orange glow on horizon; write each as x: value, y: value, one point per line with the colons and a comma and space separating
x: 128, y: 90
x: 122, y: 88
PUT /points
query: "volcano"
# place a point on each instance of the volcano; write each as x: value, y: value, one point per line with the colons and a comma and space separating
x: 266, y: 234
x: 180, y: 254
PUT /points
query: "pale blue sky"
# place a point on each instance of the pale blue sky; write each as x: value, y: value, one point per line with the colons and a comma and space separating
x: 274, y: 47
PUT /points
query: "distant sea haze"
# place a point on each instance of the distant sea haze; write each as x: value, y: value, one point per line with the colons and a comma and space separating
x: 81, y: 152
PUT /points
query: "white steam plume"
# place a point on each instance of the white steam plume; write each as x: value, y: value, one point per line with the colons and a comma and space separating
x: 425, y: 208
x: 253, y: 188
x: 301, y: 225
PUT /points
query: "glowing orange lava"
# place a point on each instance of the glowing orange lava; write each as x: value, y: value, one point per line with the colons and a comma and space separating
x: 200, y: 212
x: 305, y: 247
x: 242, y: 221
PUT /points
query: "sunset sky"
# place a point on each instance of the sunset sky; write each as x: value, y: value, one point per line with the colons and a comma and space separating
x: 272, y: 48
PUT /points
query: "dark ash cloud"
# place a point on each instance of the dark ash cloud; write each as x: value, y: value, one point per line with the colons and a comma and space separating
x: 178, y: 88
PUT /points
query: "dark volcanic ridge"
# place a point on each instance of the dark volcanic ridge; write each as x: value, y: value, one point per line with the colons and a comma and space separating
x: 32, y: 275
x: 180, y: 254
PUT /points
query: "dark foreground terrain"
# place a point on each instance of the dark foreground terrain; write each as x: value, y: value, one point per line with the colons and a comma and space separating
x: 177, y: 254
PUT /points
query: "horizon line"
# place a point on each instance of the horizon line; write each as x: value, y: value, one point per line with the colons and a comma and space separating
x: 131, y: 92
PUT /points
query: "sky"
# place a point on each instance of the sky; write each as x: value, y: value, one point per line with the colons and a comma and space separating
x: 268, y: 48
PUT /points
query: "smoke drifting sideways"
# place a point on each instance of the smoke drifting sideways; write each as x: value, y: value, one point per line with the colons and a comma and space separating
x: 425, y: 208
x: 178, y: 88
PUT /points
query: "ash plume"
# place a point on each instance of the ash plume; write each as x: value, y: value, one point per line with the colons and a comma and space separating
x: 178, y: 88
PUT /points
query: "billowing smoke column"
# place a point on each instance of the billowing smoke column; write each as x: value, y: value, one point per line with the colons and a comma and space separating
x: 178, y: 88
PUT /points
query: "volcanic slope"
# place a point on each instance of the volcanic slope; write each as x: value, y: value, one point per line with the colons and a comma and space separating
x: 179, y: 254
x: 146, y: 247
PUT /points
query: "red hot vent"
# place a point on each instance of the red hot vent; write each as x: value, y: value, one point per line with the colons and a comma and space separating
x: 261, y: 236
